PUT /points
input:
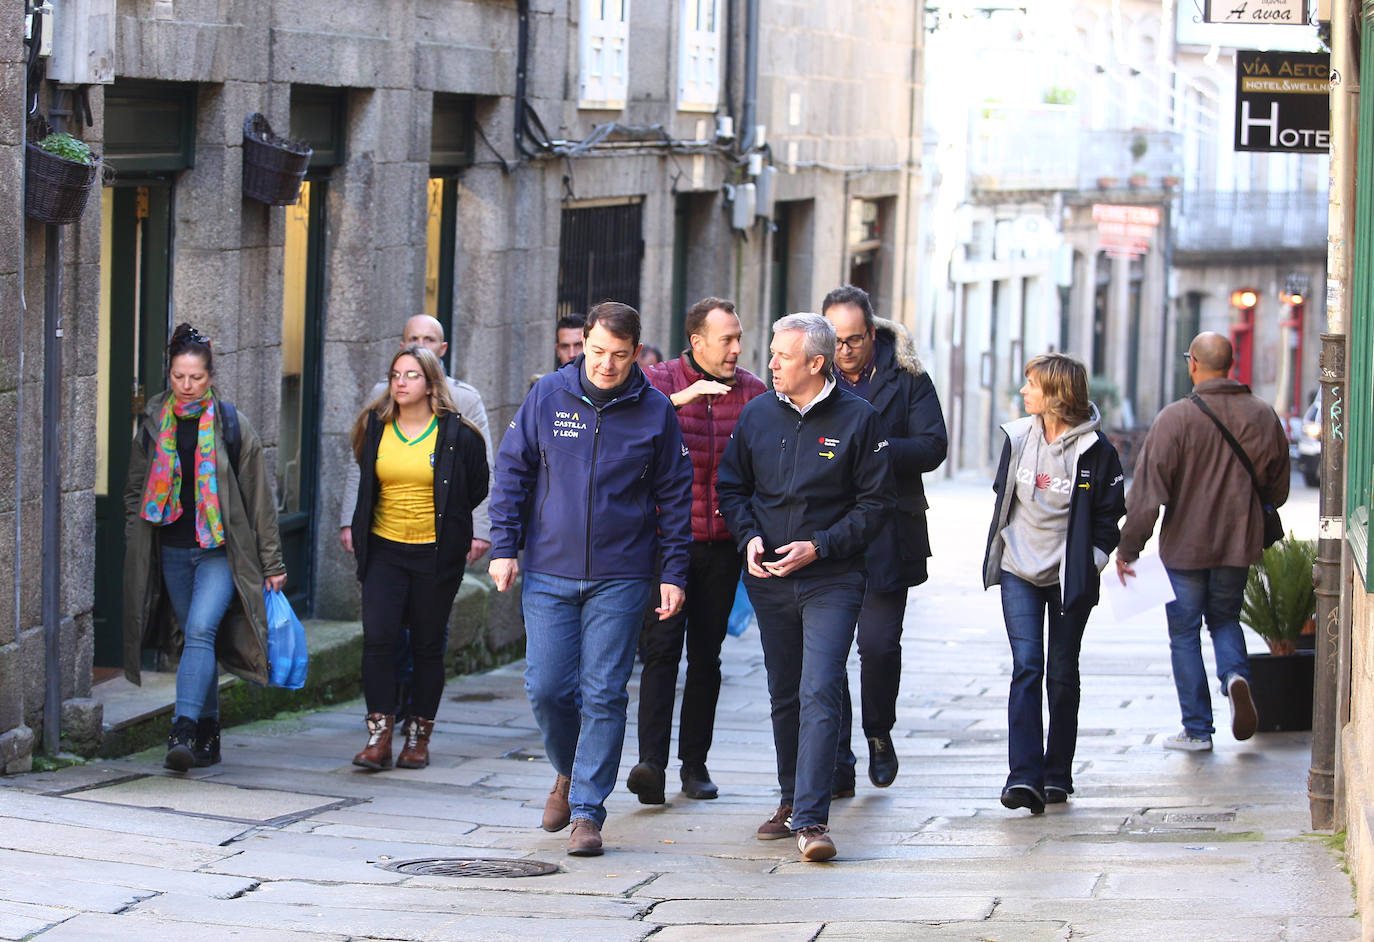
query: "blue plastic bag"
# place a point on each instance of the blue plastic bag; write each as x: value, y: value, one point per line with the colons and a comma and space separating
x: 287, y: 657
x: 741, y: 613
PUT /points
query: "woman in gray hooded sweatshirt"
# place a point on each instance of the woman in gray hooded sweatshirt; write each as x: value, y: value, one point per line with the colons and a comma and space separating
x: 1060, y: 493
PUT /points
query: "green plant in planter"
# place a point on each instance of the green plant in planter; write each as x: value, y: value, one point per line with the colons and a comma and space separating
x: 1279, y: 596
x: 67, y: 147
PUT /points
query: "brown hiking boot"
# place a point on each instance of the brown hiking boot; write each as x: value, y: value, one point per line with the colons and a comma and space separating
x: 585, y: 839
x: 556, y: 809
x: 415, y: 755
x: 377, y: 753
x: 776, y: 827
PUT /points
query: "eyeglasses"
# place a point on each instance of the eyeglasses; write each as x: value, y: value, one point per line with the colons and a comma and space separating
x: 196, y: 336
x: 410, y: 375
x: 1187, y: 356
x: 851, y: 343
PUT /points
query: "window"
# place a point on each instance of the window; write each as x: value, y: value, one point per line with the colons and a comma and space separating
x: 698, y: 67
x: 600, y: 253
x: 603, y: 38
x: 1351, y: 406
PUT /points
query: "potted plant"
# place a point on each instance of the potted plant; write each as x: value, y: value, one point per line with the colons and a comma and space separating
x: 1139, y: 147
x: 273, y: 166
x: 58, y: 175
x: 1279, y: 603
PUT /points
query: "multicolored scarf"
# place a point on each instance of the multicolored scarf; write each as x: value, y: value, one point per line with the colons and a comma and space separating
x: 162, y: 492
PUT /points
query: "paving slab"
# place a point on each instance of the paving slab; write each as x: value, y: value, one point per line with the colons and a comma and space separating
x: 153, y: 927
x: 368, y: 923
x: 118, y: 874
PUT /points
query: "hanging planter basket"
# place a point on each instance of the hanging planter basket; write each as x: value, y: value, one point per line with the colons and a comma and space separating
x: 273, y: 166
x: 55, y: 188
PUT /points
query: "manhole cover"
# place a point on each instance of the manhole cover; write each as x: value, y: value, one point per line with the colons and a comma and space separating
x: 1186, y: 817
x: 488, y: 867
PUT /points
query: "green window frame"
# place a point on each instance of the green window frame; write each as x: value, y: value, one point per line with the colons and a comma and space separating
x: 1357, y: 412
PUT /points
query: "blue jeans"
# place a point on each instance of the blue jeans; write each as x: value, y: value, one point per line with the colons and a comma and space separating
x: 200, y: 586
x: 806, y: 625
x: 1038, y: 758
x: 580, y: 639
x: 1215, y: 593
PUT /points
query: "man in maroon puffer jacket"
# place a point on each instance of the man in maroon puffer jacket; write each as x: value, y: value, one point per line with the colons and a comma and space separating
x: 709, y: 390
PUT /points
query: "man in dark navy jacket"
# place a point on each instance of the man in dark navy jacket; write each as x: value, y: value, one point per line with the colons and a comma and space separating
x: 876, y: 359
x: 805, y: 485
x: 709, y: 389
x: 594, y: 484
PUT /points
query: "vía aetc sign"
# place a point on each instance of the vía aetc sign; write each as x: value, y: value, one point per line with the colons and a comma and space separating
x: 1283, y: 102
x: 1273, y: 12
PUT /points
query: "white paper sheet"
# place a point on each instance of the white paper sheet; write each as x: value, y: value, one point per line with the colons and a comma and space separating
x: 1148, y: 589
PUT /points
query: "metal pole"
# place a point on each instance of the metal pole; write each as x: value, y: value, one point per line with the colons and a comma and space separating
x: 52, y: 467
x: 1321, y: 776
x: 52, y: 487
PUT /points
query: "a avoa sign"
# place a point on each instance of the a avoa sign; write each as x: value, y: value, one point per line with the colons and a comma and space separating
x: 1257, y: 12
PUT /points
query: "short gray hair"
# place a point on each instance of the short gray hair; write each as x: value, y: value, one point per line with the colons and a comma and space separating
x: 819, y: 339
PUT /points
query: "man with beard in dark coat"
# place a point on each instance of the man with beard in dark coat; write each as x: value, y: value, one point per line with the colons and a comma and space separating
x: 876, y: 360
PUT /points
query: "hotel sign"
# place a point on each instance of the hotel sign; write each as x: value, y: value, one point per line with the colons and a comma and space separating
x: 1283, y: 102
x: 1256, y: 12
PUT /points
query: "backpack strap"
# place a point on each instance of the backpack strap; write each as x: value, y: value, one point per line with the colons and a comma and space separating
x: 1235, y: 445
x: 233, y: 438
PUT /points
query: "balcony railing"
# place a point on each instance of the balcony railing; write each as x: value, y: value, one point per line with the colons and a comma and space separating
x: 1045, y: 148
x: 1108, y: 159
x: 1023, y: 148
x: 1225, y: 221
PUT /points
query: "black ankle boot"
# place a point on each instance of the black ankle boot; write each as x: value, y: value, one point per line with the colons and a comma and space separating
x: 181, y: 744
x: 207, y: 741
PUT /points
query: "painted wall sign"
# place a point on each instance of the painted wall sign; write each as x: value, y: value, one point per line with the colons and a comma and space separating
x: 1125, y: 230
x: 1256, y: 12
x: 1283, y: 102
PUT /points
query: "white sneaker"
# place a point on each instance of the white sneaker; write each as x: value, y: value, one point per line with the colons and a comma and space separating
x: 1244, y: 719
x: 1181, y: 740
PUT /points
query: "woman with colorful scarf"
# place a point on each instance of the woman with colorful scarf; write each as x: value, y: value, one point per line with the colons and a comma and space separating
x: 201, y: 524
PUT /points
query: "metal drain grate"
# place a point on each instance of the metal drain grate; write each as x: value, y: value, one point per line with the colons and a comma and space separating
x: 1185, y: 817
x: 486, y: 867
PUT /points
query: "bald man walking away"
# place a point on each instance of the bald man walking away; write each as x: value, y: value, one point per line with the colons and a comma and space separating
x: 1213, y: 529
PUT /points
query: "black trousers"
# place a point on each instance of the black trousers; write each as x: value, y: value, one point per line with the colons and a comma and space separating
x: 712, y: 574
x: 401, y: 590
x: 880, y: 673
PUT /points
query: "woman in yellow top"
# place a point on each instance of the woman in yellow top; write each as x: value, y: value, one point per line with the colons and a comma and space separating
x: 423, y: 470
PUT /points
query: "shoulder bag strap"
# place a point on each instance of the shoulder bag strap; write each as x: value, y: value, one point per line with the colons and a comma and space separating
x: 1231, y: 440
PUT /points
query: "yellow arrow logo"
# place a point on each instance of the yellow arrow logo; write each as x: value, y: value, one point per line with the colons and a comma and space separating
x: 827, y: 454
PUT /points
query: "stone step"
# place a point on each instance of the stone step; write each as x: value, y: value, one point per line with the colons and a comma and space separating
x: 485, y: 630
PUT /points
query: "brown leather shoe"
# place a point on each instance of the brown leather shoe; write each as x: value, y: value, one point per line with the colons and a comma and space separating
x: 556, y: 809
x: 585, y: 839
x: 377, y: 753
x: 415, y: 755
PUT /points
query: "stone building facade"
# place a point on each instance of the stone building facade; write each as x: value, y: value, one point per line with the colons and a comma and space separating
x: 493, y: 163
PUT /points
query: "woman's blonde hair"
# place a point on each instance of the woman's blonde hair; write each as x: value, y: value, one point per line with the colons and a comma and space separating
x: 384, y: 407
x: 1064, y: 383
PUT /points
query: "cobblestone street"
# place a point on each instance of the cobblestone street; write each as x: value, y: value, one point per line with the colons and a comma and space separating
x: 285, y: 840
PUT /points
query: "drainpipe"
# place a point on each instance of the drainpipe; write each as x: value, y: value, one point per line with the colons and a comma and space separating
x: 52, y: 466
x: 1333, y: 634
x: 522, y: 51
x: 749, y: 113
